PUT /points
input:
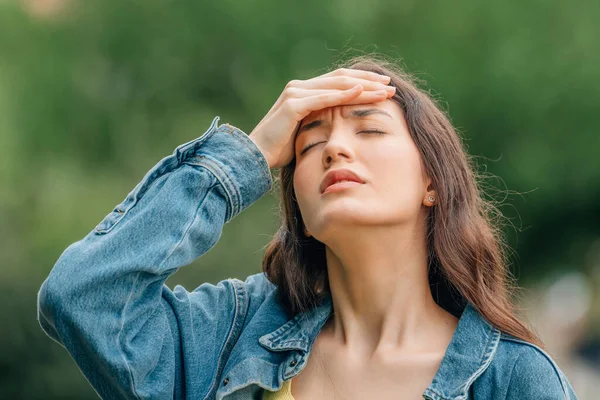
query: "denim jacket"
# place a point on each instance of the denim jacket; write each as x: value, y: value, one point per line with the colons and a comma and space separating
x: 105, y: 300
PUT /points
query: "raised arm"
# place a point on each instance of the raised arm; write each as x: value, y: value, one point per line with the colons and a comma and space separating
x: 105, y: 300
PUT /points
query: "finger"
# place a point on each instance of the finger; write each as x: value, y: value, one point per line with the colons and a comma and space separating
x: 304, y: 106
x: 336, y: 82
x: 358, y: 73
x: 292, y: 93
x: 369, y: 97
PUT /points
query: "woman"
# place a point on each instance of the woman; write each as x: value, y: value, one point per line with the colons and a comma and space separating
x: 386, y: 266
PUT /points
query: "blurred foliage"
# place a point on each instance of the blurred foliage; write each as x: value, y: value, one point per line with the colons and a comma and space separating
x: 93, y: 94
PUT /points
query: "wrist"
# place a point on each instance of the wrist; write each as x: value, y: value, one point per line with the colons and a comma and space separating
x: 260, y: 147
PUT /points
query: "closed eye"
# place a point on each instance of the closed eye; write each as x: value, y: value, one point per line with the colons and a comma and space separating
x: 310, y: 145
x: 376, y: 131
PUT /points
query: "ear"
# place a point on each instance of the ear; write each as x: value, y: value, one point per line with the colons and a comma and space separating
x: 430, y: 196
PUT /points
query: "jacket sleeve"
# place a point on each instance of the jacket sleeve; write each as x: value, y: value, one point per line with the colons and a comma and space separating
x: 105, y: 299
x: 536, y: 376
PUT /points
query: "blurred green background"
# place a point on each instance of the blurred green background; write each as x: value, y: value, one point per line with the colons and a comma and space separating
x: 93, y: 94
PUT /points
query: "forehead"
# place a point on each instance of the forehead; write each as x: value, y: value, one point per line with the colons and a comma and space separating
x: 350, y: 111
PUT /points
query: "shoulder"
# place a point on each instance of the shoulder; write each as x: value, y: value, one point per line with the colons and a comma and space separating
x: 529, y: 371
x: 525, y: 355
x: 257, y: 295
x: 256, y: 286
x: 231, y: 294
x: 258, y: 281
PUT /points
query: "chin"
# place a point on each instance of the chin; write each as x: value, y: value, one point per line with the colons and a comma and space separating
x: 346, y: 218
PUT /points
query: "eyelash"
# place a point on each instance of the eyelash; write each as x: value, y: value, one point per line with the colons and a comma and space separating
x: 310, y: 145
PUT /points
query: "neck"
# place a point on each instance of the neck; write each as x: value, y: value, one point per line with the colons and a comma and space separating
x: 380, y: 292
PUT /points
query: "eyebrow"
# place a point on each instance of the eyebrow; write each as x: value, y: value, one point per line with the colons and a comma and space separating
x: 355, y: 114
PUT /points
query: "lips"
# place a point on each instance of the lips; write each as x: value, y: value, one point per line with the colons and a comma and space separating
x: 341, y: 174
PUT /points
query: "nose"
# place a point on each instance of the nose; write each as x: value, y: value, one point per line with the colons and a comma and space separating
x: 338, y: 147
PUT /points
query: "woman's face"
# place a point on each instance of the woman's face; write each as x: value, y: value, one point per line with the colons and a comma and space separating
x: 389, y: 164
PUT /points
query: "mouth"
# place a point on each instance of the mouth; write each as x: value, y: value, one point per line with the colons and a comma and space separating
x: 339, y: 179
x: 340, y: 185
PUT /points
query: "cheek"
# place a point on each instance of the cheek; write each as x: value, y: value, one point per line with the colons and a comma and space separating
x: 398, y: 176
x: 303, y: 184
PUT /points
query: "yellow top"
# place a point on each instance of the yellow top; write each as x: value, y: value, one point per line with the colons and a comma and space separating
x: 285, y: 393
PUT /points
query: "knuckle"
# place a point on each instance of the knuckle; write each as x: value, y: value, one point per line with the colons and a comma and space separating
x: 291, y: 92
x: 292, y: 83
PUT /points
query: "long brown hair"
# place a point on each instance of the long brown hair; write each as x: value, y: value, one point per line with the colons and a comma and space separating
x: 467, y: 251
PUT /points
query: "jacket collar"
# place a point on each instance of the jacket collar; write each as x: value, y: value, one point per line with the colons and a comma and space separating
x: 300, y: 332
x: 469, y: 353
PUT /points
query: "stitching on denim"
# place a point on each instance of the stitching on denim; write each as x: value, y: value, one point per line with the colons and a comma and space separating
x: 191, y: 223
x: 234, y: 194
x: 214, y: 386
x: 129, y: 370
x: 486, y: 361
x: 237, y: 131
x: 252, y: 381
x: 241, y: 301
x: 163, y: 168
x: 282, y: 342
x: 277, y: 332
x: 159, y: 170
x: 183, y: 236
x: 185, y: 232
x: 183, y: 150
x: 289, y: 342
x: 218, y: 173
x: 438, y: 394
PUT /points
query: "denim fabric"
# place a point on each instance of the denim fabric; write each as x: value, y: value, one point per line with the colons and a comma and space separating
x: 105, y: 299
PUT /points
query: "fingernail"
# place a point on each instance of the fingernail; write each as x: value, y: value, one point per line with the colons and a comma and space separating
x: 391, y: 89
x: 385, y: 78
